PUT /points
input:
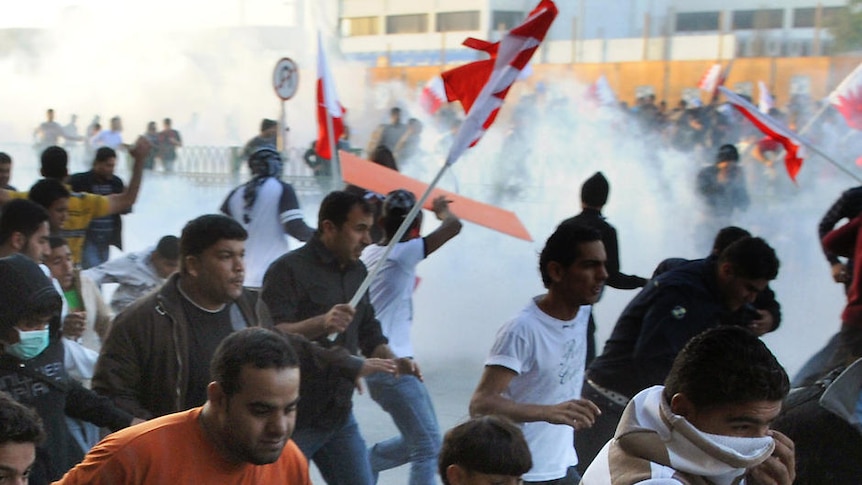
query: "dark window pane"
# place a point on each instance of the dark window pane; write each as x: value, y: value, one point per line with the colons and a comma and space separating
x: 506, y: 20
x: 758, y: 19
x: 407, y: 24
x: 457, y: 21
x: 807, y: 17
x: 697, y: 21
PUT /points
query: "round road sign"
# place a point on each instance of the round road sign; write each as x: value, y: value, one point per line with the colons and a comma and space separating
x: 285, y: 78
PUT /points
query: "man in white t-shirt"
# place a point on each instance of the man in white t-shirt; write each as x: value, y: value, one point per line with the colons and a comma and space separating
x: 267, y: 208
x: 404, y: 397
x: 535, y: 369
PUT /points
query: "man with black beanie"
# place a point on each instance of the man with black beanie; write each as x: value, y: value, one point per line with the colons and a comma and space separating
x: 594, y: 196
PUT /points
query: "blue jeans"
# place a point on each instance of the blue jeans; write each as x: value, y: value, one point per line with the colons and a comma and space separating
x: 94, y: 253
x: 339, y: 454
x: 407, y: 401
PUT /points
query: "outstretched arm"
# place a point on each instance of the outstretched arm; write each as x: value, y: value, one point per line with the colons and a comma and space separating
x: 124, y: 201
x: 488, y: 399
x: 449, y: 228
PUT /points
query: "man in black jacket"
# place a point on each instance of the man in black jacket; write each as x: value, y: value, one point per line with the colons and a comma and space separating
x: 306, y: 291
x: 661, y: 319
x: 594, y: 196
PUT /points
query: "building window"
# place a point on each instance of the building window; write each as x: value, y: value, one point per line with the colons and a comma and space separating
x: 758, y: 19
x: 407, y: 24
x: 457, y: 21
x: 697, y: 21
x: 359, y: 26
x: 806, y: 17
x: 506, y: 20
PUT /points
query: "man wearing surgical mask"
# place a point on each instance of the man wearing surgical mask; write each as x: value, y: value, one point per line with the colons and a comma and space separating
x: 32, y: 369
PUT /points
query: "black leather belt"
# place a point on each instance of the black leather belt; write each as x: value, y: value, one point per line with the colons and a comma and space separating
x: 612, y: 396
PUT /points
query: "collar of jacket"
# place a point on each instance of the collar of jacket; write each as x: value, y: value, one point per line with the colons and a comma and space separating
x: 325, y: 256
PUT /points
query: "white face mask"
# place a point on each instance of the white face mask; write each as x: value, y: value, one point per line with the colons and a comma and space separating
x: 30, y: 343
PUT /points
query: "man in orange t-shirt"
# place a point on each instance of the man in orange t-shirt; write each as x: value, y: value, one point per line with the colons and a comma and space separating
x: 241, y: 435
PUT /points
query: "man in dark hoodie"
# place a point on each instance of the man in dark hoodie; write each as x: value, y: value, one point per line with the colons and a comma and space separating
x: 661, y: 319
x: 594, y: 196
x: 32, y: 369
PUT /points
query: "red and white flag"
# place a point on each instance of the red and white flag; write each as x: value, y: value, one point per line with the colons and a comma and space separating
x: 433, y: 95
x: 713, y: 78
x: 765, y: 100
x: 710, y: 79
x: 793, y: 146
x: 462, y: 83
x: 600, y: 92
x: 847, y: 98
x: 482, y: 86
x: 327, y: 104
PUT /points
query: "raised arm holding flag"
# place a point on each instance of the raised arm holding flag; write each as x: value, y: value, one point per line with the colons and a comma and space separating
x: 480, y: 87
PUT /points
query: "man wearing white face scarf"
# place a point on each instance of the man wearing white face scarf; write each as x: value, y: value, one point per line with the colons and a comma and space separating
x: 709, y: 423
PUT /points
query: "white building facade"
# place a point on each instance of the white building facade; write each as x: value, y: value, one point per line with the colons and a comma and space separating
x: 429, y: 32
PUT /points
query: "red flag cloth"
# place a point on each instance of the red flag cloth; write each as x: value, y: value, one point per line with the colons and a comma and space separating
x: 847, y: 98
x: 482, y: 86
x: 327, y: 102
x: 771, y: 128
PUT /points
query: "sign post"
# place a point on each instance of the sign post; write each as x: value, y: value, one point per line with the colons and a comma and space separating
x: 285, y: 80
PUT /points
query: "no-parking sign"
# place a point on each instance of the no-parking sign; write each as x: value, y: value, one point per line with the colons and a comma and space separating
x: 285, y: 78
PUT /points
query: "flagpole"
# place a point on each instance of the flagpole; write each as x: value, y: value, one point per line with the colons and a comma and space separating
x: 336, y: 162
x: 402, y: 229
x: 829, y: 159
x: 815, y: 117
x: 517, y: 49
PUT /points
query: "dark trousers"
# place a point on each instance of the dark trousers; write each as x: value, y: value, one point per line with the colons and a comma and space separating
x: 588, y: 442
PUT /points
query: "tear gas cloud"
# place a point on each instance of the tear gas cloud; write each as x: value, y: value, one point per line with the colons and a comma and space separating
x: 216, y: 85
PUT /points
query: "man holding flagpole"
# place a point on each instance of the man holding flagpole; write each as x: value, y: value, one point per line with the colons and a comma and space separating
x: 306, y: 291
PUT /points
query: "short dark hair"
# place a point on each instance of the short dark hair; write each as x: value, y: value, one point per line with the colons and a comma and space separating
x: 487, y: 444
x: 727, y: 153
x: 55, y: 162
x: 751, y: 258
x: 5, y: 158
x: 262, y: 348
x: 726, y: 236
x: 18, y: 423
x: 169, y: 247
x: 336, y: 206
x: 104, y: 154
x: 57, y: 242
x: 207, y: 230
x: 562, y: 246
x: 726, y: 365
x: 46, y: 191
x: 21, y: 215
x: 167, y: 121
x: 266, y: 124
